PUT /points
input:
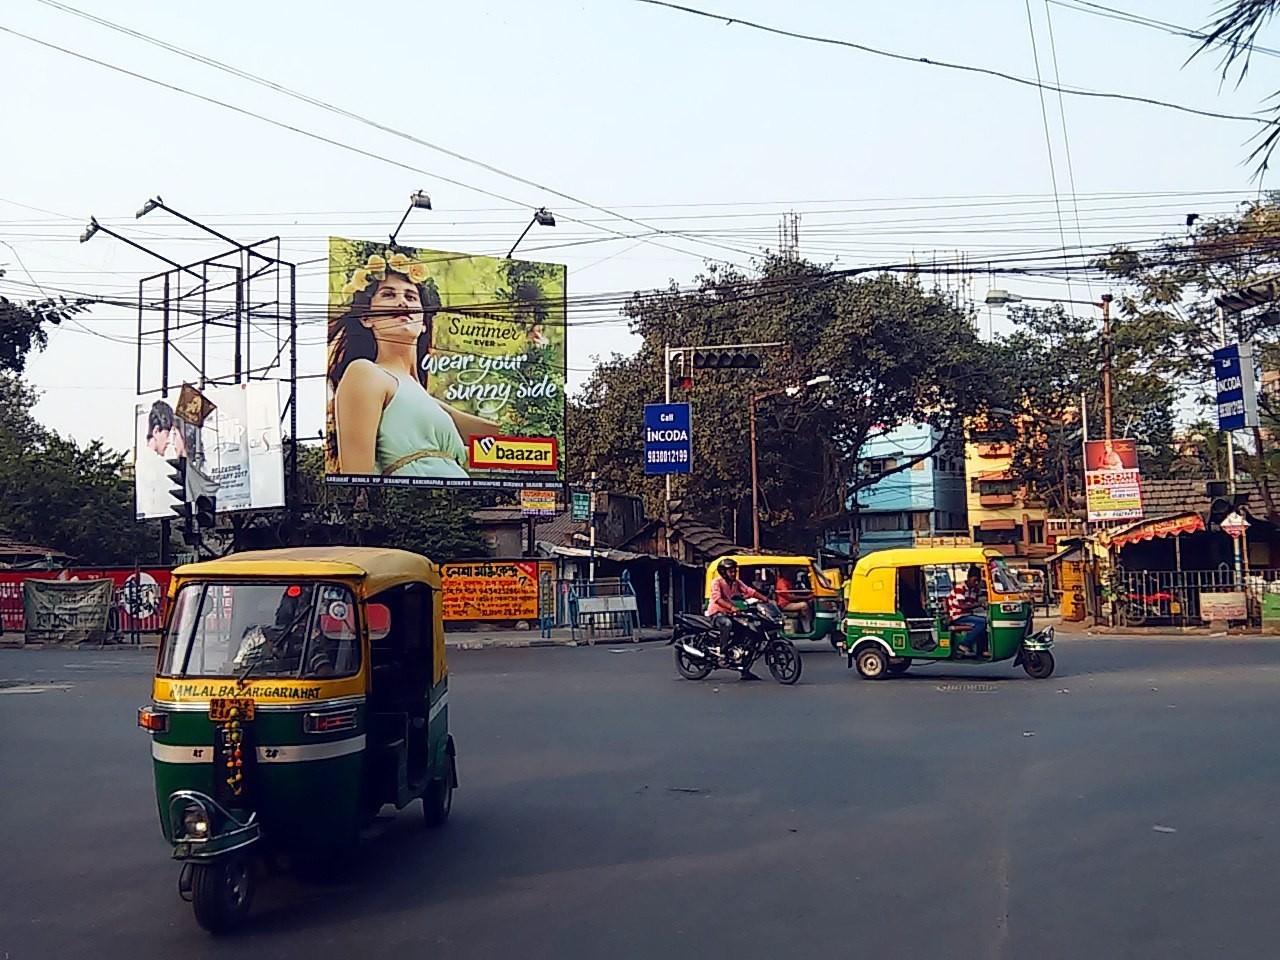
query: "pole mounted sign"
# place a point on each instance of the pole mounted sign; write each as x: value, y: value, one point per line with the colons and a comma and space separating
x: 1234, y: 385
x: 668, y: 438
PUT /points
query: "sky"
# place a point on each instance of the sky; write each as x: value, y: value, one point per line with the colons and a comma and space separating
x: 660, y: 140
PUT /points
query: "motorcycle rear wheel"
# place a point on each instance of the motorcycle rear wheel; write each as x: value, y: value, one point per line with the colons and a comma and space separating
x: 783, y: 660
x: 690, y: 667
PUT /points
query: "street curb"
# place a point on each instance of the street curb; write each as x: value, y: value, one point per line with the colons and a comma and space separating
x: 484, y: 643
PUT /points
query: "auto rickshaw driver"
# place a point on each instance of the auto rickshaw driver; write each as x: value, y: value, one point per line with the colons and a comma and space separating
x: 965, y: 608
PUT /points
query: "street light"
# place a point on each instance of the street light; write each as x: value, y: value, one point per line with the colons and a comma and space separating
x: 159, y: 204
x: 417, y: 200
x: 790, y: 391
x: 95, y: 227
x: 542, y: 217
x: 1000, y: 297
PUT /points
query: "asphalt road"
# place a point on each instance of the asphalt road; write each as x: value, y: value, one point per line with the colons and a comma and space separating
x: 1124, y: 808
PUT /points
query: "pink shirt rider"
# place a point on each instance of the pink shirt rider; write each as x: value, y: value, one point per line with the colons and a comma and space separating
x: 724, y: 592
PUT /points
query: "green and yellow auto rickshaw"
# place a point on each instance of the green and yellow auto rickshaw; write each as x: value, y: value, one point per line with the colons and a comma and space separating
x: 808, y: 596
x: 896, y: 612
x: 296, y: 692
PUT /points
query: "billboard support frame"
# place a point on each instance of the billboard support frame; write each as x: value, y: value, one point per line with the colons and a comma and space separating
x: 232, y: 274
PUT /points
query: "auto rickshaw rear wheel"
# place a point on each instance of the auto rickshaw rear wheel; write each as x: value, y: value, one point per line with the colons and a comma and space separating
x: 898, y: 666
x: 222, y: 892
x: 1038, y: 664
x: 437, y: 801
x: 871, y: 662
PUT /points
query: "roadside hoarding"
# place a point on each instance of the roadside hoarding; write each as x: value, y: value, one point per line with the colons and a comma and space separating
x: 237, y: 452
x: 538, y: 503
x: 490, y: 590
x: 668, y: 438
x: 1112, y: 481
x: 1234, y: 386
x: 444, y: 369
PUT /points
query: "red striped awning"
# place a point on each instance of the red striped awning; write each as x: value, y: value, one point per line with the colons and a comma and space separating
x: 1172, y: 526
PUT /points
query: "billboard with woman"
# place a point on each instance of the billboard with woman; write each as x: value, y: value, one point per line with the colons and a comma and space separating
x: 444, y: 369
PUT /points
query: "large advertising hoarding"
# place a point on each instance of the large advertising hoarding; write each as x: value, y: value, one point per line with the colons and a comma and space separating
x: 235, y: 455
x: 1112, y: 481
x: 444, y: 369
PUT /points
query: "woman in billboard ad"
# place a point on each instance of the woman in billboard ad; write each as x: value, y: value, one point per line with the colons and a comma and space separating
x: 382, y: 420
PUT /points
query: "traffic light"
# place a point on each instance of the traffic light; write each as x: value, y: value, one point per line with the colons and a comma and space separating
x: 681, y: 372
x: 727, y: 358
x: 206, y: 512
x: 179, y: 489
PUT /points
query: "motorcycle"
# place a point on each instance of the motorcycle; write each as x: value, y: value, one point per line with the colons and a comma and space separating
x: 757, y: 632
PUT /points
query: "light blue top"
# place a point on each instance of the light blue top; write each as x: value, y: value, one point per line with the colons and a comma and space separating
x: 415, y: 421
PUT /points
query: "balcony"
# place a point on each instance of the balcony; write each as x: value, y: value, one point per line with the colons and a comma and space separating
x: 997, y: 500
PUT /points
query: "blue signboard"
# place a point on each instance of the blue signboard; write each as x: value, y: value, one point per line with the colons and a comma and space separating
x: 1233, y: 382
x: 668, y: 438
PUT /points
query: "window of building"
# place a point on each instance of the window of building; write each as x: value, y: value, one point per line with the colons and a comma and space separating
x: 881, y: 522
x: 920, y: 464
x: 1035, y: 532
x: 920, y: 520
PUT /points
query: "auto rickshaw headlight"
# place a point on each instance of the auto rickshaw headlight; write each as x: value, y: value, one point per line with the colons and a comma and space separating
x: 195, y: 821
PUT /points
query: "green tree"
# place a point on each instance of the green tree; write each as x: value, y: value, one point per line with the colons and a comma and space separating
x: 435, y: 523
x: 57, y: 493
x: 1236, y: 29
x: 1044, y: 369
x: 22, y: 327
x: 893, y: 351
x: 1170, y: 316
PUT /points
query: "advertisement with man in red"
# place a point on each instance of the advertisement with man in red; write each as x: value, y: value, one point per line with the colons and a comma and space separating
x: 1112, y: 481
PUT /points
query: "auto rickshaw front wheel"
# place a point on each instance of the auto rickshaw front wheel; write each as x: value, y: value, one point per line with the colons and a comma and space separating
x: 871, y: 662
x: 222, y: 892
x: 1038, y: 664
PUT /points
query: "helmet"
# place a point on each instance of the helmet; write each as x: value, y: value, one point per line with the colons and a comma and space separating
x: 725, y: 565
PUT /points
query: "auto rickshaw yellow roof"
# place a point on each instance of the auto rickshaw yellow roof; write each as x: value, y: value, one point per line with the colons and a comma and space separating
x: 924, y: 557
x: 379, y: 567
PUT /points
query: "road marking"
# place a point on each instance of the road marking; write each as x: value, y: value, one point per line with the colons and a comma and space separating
x: 31, y: 687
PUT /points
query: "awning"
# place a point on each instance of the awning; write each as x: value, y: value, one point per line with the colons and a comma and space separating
x: 1065, y: 552
x: 1171, y: 526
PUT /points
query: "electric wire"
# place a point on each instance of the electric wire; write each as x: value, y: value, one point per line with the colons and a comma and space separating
x: 966, y: 68
x: 347, y: 114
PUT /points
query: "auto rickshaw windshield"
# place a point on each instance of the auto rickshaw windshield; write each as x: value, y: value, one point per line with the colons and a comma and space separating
x: 1003, y: 579
x: 261, y: 629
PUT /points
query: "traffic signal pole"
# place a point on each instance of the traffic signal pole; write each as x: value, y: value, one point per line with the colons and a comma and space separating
x: 719, y: 356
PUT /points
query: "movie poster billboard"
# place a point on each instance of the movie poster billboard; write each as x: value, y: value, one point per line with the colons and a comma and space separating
x: 1112, y: 481
x: 444, y: 369
x: 236, y: 455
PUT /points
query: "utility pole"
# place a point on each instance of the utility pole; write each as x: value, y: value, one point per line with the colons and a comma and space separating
x: 755, y: 484
x: 591, y: 567
x: 1106, y: 362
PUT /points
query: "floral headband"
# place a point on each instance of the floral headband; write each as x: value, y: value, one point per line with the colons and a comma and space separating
x: 375, y: 270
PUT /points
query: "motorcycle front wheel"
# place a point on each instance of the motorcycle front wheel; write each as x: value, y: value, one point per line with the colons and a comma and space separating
x: 691, y: 667
x: 783, y: 660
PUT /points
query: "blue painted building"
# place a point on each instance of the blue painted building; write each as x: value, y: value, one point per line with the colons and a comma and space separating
x: 927, y: 499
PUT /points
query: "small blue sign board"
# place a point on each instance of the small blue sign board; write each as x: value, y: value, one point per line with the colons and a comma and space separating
x: 1234, y: 384
x: 668, y: 438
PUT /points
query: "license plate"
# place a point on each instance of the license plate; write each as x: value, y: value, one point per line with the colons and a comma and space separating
x: 220, y: 709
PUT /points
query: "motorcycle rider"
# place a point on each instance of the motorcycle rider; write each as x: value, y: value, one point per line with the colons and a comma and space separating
x: 726, y: 588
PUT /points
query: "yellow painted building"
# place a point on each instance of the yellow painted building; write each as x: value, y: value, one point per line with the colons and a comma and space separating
x: 1001, y: 513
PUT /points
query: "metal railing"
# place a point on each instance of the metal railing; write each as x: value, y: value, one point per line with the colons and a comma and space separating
x: 1190, y: 598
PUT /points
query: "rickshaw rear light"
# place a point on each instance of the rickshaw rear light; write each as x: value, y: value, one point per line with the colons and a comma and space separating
x: 153, y: 720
